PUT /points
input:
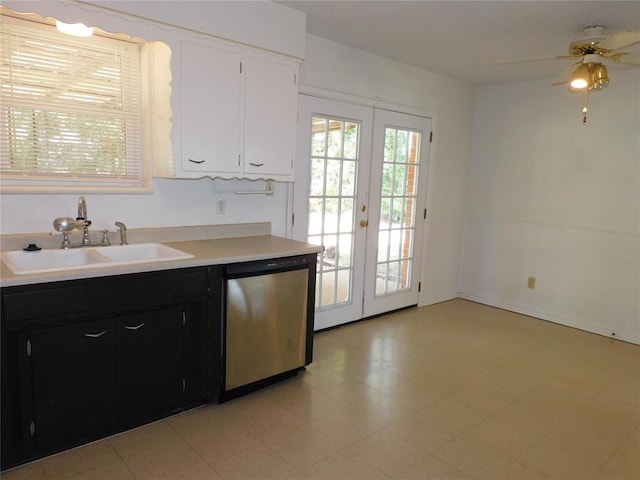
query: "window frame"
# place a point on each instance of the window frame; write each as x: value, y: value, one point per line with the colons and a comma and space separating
x: 140, y: 149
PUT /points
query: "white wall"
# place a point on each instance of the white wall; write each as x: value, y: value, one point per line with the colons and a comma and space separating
x: 332, y: 69
x: 552, y: 198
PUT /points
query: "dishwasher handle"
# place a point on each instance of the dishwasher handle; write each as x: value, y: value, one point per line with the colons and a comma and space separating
x: 260, y: 267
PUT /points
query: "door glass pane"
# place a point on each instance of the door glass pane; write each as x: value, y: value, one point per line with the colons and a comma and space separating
x: 332, y: 201
x: 397, y: 210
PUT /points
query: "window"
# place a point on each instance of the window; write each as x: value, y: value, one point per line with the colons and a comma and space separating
x: 71, y: 109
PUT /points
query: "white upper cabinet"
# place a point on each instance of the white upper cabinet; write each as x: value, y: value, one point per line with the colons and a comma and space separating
x: 210, y: 109
x: 237, y: 113
x: 269, y: 117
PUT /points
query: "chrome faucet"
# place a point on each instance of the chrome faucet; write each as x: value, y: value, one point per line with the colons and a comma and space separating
x: 82, y: 217
x: 82, y: 209
x: 122, y: 228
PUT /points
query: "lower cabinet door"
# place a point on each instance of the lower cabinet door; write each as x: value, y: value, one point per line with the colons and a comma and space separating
x: 149, y: 359
x: 73, y: 380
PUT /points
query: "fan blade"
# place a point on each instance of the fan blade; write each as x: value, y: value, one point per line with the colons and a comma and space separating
x: 627, y: 59
x: 565, y: 75
x: 527, y: 60
x: 622, y: 39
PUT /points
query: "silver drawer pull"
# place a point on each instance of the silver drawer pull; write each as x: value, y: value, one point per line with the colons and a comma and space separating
x: 134, y: 328
x: 95, y: 335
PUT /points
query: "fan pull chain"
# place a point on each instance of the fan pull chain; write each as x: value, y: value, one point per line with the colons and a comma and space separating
x: 585, y: 108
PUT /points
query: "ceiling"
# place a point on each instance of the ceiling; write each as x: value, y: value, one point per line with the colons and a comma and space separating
x: 465, y: 39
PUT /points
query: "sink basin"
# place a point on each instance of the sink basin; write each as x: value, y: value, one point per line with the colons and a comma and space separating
x: 42, y: 261
x: 141, y: 252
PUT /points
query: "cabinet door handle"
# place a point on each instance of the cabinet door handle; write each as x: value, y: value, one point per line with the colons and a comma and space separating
x: 95, y: 335
x: 135, y: 327
x: 256, y: 164
x: 196, y: 161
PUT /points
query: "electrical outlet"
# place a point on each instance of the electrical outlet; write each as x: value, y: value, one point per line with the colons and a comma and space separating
x: 531, y: 282
x: 220, y: 206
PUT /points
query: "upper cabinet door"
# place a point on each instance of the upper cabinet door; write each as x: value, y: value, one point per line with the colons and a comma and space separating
x: 210, y: 109
x: 237, y: 113
x: 269, y: 117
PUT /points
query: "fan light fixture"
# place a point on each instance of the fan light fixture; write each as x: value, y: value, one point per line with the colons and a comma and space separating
x: 74, y: 29
x: 581, y: 76
x: 599, y: 77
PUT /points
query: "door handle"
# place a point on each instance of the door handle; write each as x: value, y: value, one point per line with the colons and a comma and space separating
x: 95, y: 335
x: 127, y: 327
x: 364, y: 223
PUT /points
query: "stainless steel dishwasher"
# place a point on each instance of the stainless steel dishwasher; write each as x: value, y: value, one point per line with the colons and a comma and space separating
x: 268, y: 322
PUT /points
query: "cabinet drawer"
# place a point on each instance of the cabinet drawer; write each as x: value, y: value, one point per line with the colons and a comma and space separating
x: 104, y: 294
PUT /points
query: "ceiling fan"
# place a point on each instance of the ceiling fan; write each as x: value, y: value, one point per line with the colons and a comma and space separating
x: 593, y: 50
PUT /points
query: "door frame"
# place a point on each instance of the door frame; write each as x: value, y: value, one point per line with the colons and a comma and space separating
x: 296, y: 219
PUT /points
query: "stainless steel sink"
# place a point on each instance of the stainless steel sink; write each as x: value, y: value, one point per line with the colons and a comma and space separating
x: 42, y: 261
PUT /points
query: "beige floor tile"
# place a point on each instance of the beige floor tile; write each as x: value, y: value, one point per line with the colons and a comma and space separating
x: 305, y: 447
x: 273, y: 424
x: 584, y: 443
x: 559, y: 463
x: 32, y: 471
x: 348, y: 425
x: 429, y: 468
x: 80, y: 460
x: 204, y: 472
x: 210, y: 416
x: 111, y: 471
x: 423, y: 433
x: 171, y: 460
x: 483, y: 399
x: 552, y: 402
x: 517, y: 471
x: 342, y: 466
x: 213, y: 445
x: 512, y: 430
x: 139, y: 439
x: 473, y: 458
x: 604, y: 421
x: 450, y: 413
x: 386, y: 451
x: 625, y: 462
x: 259, y: 462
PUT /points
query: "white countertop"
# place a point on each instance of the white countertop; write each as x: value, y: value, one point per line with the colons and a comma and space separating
x: 218, y: 251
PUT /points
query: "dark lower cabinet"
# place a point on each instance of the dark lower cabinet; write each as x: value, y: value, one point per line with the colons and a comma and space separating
x: 73, y: 380
x: 84, y: 359
x: 150, y: 363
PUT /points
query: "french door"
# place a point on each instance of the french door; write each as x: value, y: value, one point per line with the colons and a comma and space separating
x: 360, y: 192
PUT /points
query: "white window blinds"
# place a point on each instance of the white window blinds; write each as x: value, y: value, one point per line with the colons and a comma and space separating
x: 70, y: 107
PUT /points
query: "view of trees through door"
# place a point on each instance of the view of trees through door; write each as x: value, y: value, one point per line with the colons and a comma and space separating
x: 397, y: 209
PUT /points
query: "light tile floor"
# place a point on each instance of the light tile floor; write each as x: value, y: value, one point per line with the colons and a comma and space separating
x: 456, y: 390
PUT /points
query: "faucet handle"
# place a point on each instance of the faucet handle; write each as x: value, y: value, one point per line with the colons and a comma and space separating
x: 105, y: 238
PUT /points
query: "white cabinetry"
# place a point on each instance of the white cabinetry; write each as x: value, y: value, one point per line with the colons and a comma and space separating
x: 237, y: 113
